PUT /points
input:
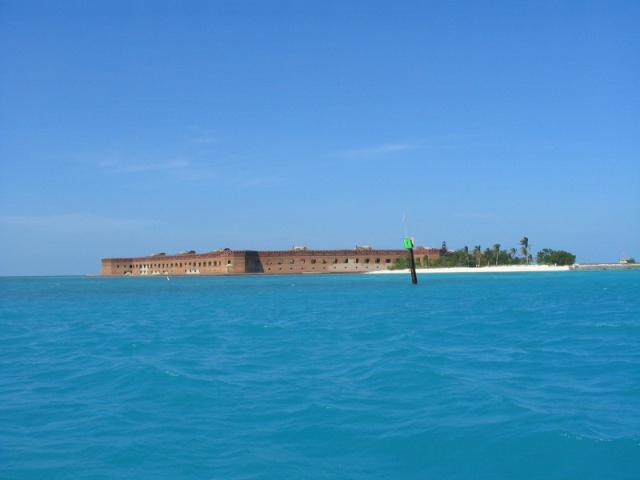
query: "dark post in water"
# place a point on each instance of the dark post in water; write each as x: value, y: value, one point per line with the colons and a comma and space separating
x: 408, y: 244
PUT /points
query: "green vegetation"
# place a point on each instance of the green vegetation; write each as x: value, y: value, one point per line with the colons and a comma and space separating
x: 546, y: 256
x: 495, y: 256
x: 463, y: 258
x: 526, y: 249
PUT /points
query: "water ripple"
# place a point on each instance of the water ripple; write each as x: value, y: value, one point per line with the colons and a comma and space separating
x: 337, y: 377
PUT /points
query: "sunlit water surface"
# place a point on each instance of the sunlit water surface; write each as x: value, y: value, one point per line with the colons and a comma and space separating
x: 522, y: 375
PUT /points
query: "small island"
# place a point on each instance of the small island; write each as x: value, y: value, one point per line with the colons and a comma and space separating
x: 361, y: 259
x: 495, y: 256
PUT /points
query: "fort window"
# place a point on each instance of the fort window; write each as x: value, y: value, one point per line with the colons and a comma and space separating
x: 335, y: 260
x: 366, y: 260
x: 377, y: 260
x: 291, y: 261
x: 313, y: 261
x: 324, y: 261
x: 302, y: 260
x: 346, y: 260
x: 387, y: 260
x: 279, y: 261
x: 357, y: 260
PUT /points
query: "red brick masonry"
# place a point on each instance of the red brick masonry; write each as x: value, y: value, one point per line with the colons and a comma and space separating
x: 236, y: 262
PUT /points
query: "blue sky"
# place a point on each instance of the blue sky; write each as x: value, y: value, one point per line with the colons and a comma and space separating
x: 128, y: 128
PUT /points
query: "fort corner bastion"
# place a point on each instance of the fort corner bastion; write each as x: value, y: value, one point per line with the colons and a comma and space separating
x: 226, y: 261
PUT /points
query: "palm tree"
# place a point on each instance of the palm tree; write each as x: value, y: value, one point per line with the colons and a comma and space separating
x: 487, y: 255
x: 465, y: 249
x: 525, y: 248
x: 496, y: 250
x: 477, y: 253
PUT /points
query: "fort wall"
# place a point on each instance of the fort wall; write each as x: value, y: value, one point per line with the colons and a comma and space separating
x: 276, y: 262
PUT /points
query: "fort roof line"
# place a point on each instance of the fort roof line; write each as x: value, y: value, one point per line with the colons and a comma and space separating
x: 301, y: 253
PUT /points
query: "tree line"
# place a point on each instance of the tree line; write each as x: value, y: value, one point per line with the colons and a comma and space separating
x: 490, y: 256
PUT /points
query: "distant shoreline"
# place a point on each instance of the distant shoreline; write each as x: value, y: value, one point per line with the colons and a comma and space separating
x: 514, y: 269
x: 430, y: 271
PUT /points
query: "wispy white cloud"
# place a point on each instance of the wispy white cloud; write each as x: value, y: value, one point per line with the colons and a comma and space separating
x: 178, y: 170
x: 199, y: 134
x: 379, y: 151
x: 121, y: 167
x: 70, y: 223
x: 203, y: 139
x: 430, y: 143
x: 265, y: 182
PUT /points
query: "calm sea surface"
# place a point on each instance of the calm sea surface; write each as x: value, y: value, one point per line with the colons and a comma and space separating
x: 521, y: 375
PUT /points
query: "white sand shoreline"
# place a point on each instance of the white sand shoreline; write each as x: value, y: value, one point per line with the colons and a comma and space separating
x: 499, y: 269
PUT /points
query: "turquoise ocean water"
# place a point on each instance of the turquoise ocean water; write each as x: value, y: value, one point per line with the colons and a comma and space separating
x: 521, y: 375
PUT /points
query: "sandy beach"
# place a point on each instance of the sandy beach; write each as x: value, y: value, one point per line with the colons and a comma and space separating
x: 499, y: 269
